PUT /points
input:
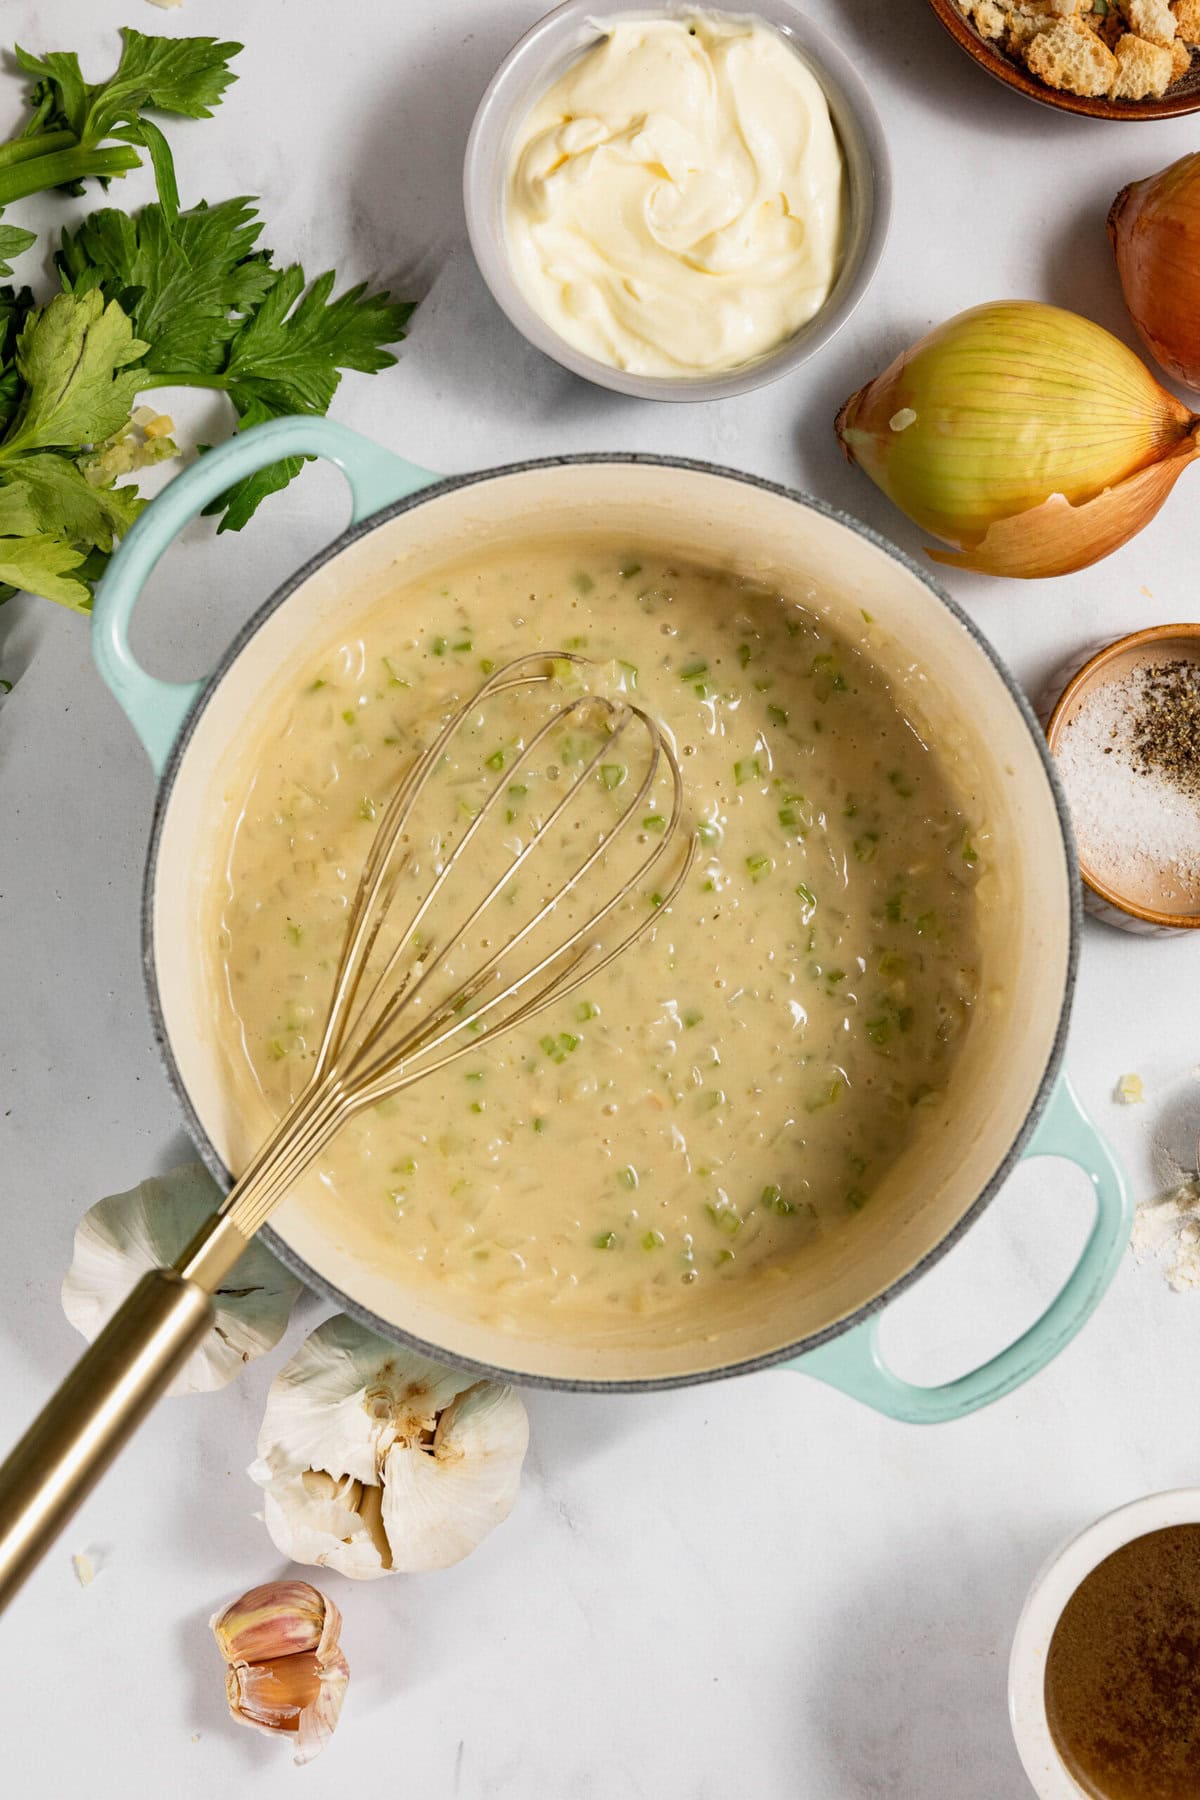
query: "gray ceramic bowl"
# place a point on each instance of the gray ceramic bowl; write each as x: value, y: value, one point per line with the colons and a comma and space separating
x: 540, y: 58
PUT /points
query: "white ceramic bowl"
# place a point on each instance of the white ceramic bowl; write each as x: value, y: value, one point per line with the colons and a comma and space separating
x: 1058, y: 1580
x: 540, y: 58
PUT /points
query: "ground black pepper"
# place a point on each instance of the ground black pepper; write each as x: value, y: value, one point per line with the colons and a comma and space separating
x: 1165, y: 724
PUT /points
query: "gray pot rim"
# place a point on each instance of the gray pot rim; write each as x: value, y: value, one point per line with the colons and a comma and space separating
x: 311, y: 1277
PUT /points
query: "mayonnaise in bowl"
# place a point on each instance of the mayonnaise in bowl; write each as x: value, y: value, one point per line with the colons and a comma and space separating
x: 674, y: 202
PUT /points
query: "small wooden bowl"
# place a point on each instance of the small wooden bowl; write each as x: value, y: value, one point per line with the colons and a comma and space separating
x: 1129, y: 911
x: 1183, y: 96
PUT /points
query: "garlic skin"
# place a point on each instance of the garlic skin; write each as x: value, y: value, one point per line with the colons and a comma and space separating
x: 1154, y: 229
x: 123, y: 1236
x: 285, y: 1670
x: 1033, y: 439
x: 374, y: 1460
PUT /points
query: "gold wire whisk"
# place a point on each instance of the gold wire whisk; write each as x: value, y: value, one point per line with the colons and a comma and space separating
x: 376, y: 1042
x: 387, y: 1028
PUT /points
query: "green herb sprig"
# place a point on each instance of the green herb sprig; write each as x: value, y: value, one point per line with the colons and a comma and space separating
x: 163, y: 297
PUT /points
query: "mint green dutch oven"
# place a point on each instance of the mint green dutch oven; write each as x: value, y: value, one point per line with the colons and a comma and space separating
x: 1007, y: 1098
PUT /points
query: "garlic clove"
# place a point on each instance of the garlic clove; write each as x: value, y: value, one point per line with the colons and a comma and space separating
x: 286, y: 1672
x: 294, y: 1694
x: 271, y: 1696
x: 334, y: 1524
x: 1005, y: 408
x: 373, y: 1459
x: 1057, y: 538
x: 437, y: 1508
x: 281, y: 1618
x: 318, y: 1721
x: 124, y: 1235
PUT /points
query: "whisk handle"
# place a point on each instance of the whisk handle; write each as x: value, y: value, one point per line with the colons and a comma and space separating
x: 96, y: 1410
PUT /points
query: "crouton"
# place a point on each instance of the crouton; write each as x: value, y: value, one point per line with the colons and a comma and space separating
x: 1143, y: 68
x: 1072, y: 57
x: 1128, y: 49
x: 1027, y: 20
x: 1187, y: 20
x: 1109, y: 24
x: 1152, y: 20
x: 989, y: 19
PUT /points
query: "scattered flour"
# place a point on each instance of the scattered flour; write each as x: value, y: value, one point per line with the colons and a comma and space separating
x: 1167, y: 1227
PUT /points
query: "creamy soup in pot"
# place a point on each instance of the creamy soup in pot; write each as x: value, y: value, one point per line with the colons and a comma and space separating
x: 732, y: 1089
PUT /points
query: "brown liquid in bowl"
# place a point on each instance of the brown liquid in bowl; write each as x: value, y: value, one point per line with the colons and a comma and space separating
x: 1123, y: 1672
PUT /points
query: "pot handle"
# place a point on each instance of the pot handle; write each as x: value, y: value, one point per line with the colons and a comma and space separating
x: 157, y: 709
x: 854, y: 1361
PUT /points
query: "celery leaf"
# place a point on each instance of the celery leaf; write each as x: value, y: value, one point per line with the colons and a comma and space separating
x: 13, y: 241
x: 289, y: 354
x: 73, y: 357
x: 42, y: 564
x: 175, y: 75
x: 58, y: 497
x: 186, y: 283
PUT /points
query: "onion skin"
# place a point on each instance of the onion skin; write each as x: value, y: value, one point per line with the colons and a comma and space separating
x: 1057, y: 538
x: 1029, y: 438
x: 1154, y: 228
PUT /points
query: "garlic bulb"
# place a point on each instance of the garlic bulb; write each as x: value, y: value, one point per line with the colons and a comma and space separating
x: 1029, y: 437
x: 375, y: 1460
x: 121, y: 1237
x: 285, y: 1672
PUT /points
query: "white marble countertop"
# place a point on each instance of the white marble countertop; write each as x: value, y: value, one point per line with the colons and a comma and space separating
x: 756, y: 1588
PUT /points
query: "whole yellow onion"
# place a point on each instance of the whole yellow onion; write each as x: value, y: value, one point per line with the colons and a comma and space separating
x: 1154, y: 226
x: 1028, y: 437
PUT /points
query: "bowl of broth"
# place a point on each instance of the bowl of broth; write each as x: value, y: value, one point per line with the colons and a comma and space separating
x: 1104, y: 1681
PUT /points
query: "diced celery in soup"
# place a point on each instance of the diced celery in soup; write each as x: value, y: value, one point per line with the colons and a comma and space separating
x: 731, y: 1090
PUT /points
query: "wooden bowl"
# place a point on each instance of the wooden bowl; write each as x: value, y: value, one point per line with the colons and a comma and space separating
x: 1183, y: 96
x: 1132, y: 911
